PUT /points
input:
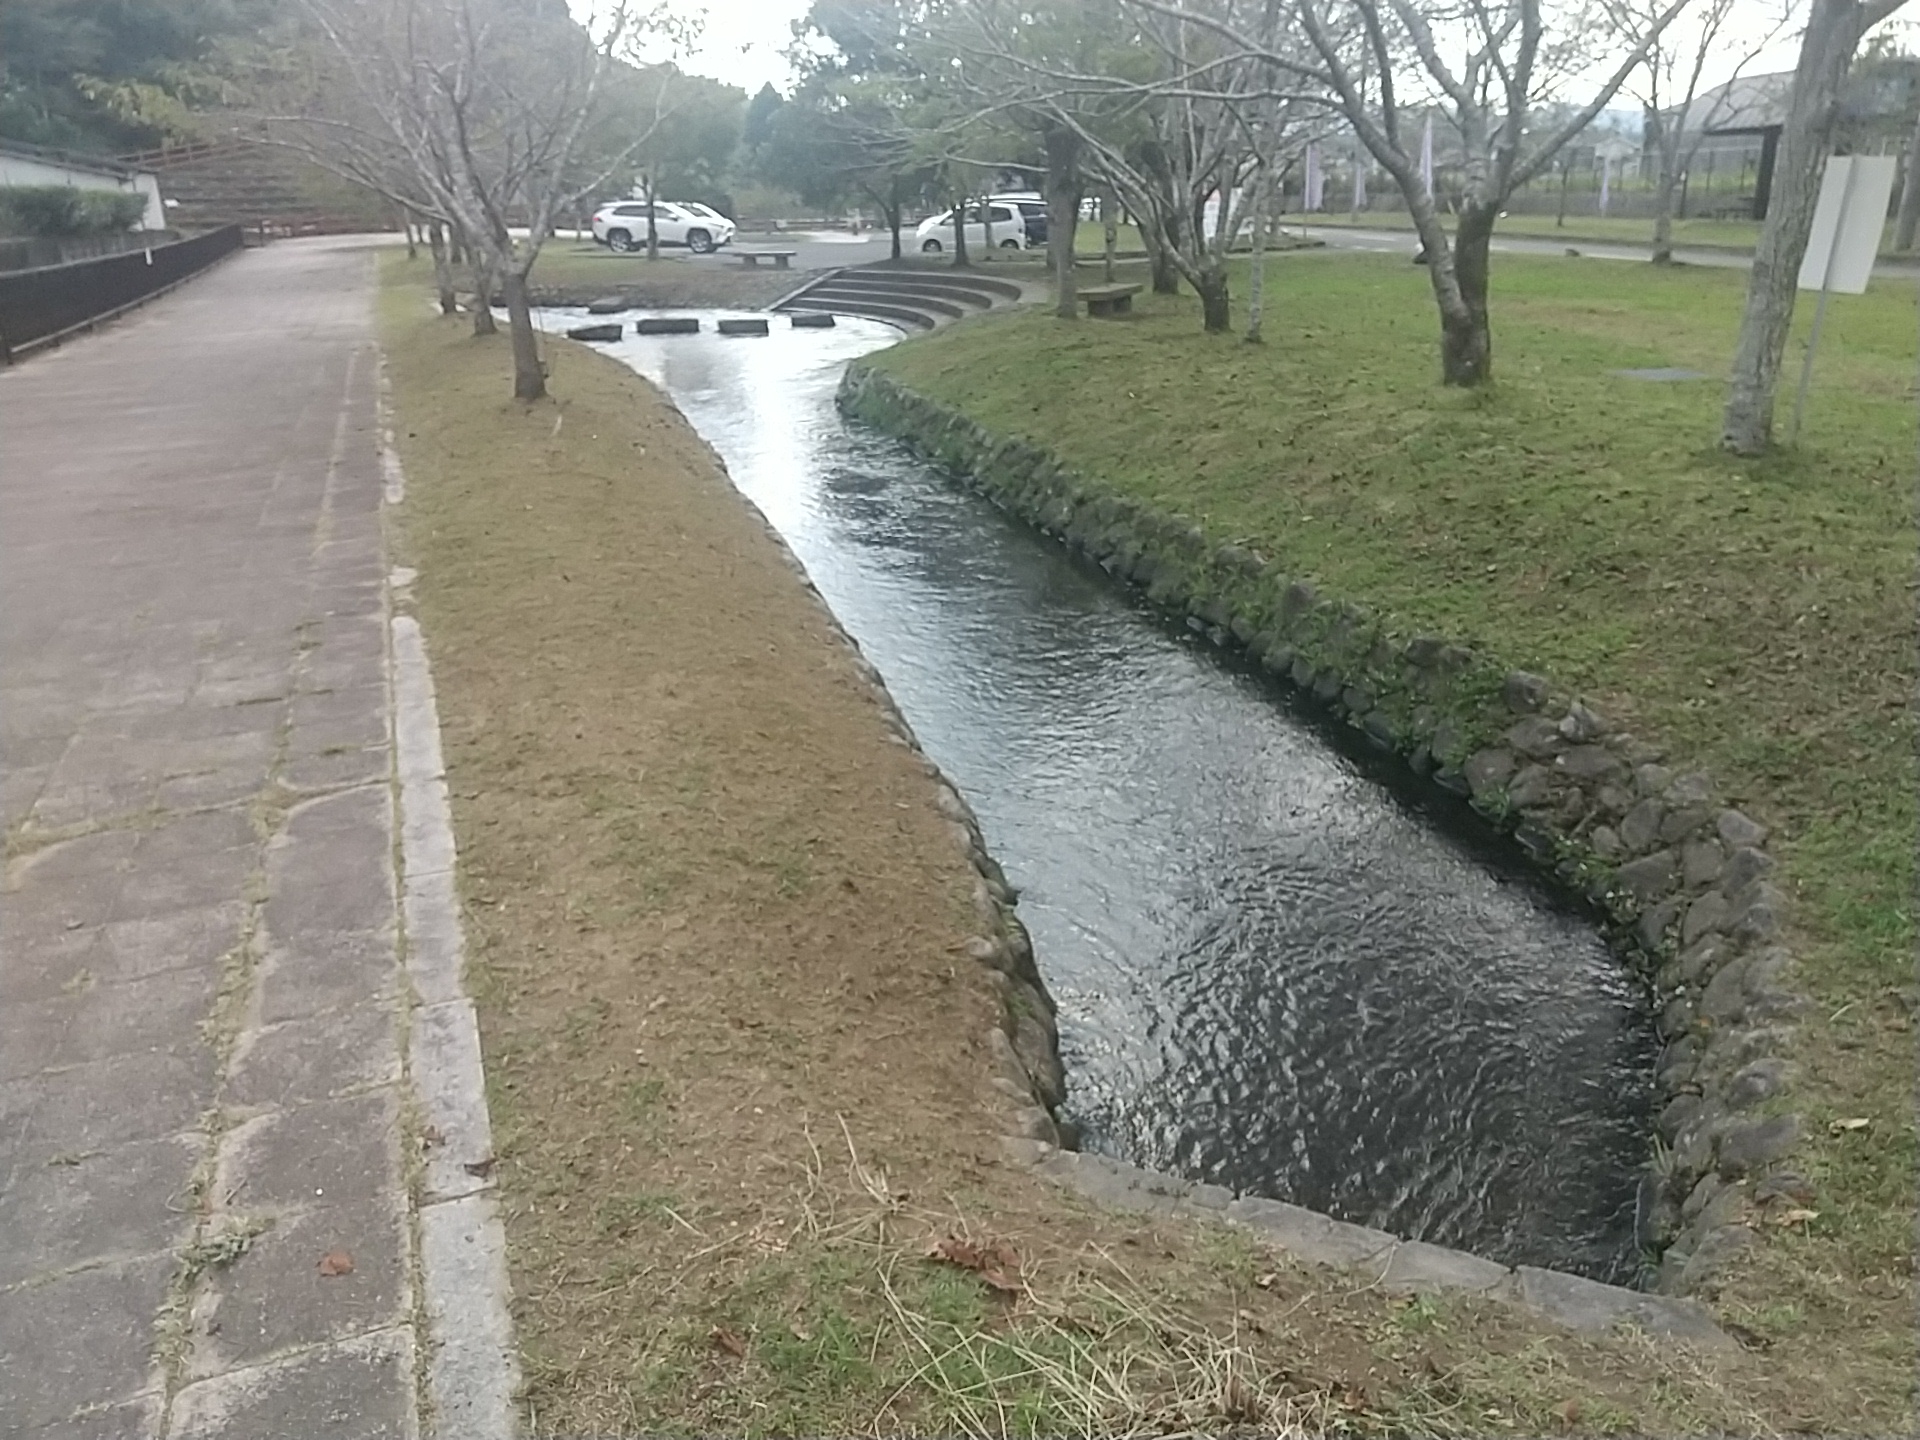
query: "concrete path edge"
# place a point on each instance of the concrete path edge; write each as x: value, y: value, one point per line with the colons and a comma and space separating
x: 469, y: 1363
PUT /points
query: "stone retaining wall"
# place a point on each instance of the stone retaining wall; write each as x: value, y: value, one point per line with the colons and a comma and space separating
x: 1683, y: 881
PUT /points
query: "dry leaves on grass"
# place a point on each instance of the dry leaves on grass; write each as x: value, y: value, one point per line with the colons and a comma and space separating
x: 728, y: 1341
x: 994, y: 1261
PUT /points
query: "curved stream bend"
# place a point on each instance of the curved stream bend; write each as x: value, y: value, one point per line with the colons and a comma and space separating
x: 1274, y: 971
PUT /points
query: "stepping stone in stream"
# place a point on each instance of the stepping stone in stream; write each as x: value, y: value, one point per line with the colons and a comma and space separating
x: 595, y: 332
x: 609, y: 305
x: 743, y: 327
x: 668, y: 325
x: 812, y: 320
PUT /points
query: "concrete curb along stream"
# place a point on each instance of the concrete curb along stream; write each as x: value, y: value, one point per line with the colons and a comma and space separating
x: 469, y: 1364
x: 1683, y: 879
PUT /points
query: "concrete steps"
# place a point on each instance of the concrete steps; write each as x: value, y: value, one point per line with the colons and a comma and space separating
x: 912, y: 296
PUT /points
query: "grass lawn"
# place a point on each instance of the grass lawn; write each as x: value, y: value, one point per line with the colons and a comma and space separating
x: 734, y: 1052
x: 1755, y: 618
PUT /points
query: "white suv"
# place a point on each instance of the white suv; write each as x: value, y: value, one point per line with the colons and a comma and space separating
x: 623, y: 225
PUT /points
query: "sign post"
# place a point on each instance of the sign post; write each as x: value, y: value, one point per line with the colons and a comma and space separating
x: 1847, y: 222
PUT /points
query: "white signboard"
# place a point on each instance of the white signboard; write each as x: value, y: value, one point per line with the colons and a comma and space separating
x: 1847, y: 222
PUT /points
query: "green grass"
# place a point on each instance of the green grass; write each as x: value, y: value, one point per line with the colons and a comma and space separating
x: 1755, y: 618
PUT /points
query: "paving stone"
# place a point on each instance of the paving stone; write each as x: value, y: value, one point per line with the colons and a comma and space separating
x: 306, y: 975
x: 181, y: 939
x: 333, y: 1151
x: 274, y: 1298
x: 153, y: 1012
x: 105, y: 1103
x: 356, y: 1390
x: 337, y: 769
x: 350, y: 719
x: 84, y: 1340
x: 121, y: 1193
x: 133, y: 1420
x: 331, y: 869
x: 46, y: 968
x: 297, y: 1061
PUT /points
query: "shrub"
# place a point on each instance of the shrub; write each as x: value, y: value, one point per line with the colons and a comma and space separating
x: 63, y: 211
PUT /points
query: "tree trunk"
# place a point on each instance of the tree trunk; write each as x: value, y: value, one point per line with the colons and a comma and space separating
x: 1257, y: 268
x: 413, y: 244
x: 1110, y: 229
x: 653, y: 223
x: 1166, y: 274
x: 486, y: 279
x: 1909, y: 214
x: 1216, y: 311
x: 442, y: 271
x: 960, y: 261
x: 1833, y: 31
x: 893, y: 213
x: 1663, y: 192
x: 1460, y: 285
x: 529, y: 376
x: 1063, y: 215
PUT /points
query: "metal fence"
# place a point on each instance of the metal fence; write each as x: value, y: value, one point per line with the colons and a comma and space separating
x: 37, y: 307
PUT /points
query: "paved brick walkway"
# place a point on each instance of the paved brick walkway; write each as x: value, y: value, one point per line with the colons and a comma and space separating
x: 201, y: 1005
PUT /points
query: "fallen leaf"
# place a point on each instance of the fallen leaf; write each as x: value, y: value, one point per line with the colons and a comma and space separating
x: 1267, y: 1281
x: 1795, y: 1217
x: 479, y: 1169
x: 729, y: 1341
x: 335, y: 1262
x: 1841, y: 1127
x: 994, y: 1262
x: 1568, y: 1412
x: 431, y: 1136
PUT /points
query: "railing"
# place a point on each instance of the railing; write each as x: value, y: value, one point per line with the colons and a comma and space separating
x: 40, y: 307
x: 34, y: 253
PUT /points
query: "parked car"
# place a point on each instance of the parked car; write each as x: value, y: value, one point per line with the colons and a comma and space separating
x: 935, y: 233
x: 623, y: 225
x: 1033, y: 210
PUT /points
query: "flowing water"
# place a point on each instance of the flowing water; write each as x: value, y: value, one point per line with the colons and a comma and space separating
x: 1277, y: 967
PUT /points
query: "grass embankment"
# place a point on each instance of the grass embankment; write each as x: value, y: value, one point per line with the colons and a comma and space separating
x: 731, y: 1042
x: 1757, y: 618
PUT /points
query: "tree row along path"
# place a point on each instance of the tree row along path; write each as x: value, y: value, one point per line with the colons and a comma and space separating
x: 206, y: 1229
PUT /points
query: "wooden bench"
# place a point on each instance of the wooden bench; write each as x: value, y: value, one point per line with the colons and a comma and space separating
x: 1108, y: 299
x: 752, y: 258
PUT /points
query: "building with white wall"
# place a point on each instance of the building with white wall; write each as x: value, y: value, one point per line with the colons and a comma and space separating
x: 32, y: 165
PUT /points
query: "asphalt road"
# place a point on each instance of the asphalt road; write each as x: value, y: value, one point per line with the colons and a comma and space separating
x: 819, y: 250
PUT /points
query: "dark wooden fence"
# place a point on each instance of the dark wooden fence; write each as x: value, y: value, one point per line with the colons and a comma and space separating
x: 38, y: 307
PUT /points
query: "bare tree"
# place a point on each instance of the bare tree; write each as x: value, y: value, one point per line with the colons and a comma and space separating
x: 1670, y: 81
x: 473, y: 112
x: 1505, y: 61
x: 1834, y: 31
x: 1165, y: 114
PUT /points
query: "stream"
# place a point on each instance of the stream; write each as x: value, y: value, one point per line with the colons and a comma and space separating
x: 1279, y: 966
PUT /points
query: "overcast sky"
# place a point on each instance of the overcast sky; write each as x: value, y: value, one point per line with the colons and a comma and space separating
x: 743, y: 40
